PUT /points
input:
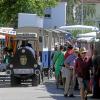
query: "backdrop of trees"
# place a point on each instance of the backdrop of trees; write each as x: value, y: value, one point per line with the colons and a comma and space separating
x: 9, y: 9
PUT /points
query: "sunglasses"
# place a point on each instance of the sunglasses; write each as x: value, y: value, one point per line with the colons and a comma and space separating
x: 76, y: 52
x: 83, y: 53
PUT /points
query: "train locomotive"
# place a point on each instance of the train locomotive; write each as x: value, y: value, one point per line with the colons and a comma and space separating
x: 24, y: 65
x: 43, y: 41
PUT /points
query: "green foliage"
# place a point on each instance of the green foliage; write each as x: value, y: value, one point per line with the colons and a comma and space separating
x: 70, y: 5
x: 88, y: 12
x: 9, y: 9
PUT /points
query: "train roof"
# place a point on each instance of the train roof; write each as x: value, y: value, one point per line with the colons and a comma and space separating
x: 26, y: 36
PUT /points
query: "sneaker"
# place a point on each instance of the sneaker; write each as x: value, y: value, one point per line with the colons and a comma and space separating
x: 71, y: 95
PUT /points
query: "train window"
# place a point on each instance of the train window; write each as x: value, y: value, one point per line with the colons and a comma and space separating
x: 40, y: 39
x: 47, y: 12
x: 46, y: 41
x: 47, y: 15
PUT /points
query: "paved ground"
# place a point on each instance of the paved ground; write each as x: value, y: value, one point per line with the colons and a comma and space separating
x: 45, y: 91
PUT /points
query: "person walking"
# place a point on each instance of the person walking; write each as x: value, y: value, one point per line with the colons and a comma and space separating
x: 70, y: 77
x: 96, y: 75
x: 52, y: 56
x: 82, y: 70
x: 58, y: 61
x: 63, y: 71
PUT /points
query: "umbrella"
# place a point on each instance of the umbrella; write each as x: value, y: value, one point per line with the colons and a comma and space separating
x: 79, y: 27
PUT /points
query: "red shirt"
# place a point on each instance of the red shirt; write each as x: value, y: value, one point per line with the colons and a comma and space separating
x: 82, y: 67
x: 69, y: 52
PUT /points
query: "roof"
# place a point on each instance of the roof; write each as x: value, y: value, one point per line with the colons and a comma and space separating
x: 85, y: 39
x: 90, y: 1
x: 90, y: 34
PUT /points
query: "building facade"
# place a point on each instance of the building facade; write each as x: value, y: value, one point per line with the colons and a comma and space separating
x: 95, y: 14
x: 55, y: 16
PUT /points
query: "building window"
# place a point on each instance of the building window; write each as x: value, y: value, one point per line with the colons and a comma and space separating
x: 99, y: 25
x: 47, y: 15
x: 47, y: 12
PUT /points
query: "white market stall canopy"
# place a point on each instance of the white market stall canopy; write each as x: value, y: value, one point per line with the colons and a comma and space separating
x: 79, y: 27
x: 90, y: 34
x: 88, y: 37
x: 85, y: 39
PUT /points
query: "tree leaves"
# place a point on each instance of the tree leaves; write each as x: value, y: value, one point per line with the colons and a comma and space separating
x: 9, y: 9
x: 88, y: 12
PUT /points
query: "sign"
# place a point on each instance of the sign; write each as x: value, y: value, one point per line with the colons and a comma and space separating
x: 26, y: 36
x: 23, y: 71
x: 5, y: 30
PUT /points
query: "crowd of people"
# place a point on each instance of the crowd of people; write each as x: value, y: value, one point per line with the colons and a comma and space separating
x: 7, y: 55
x: 71, y: 64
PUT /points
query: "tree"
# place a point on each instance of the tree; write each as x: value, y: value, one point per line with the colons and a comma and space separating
x: 9, y: 9
x: 88, y: 12
x: 70, y: 6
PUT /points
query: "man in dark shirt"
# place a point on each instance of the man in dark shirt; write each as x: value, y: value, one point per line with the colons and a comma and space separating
x: 96, y: 80
x: 82, y: 68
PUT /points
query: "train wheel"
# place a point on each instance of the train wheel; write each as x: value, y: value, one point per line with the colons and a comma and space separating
x: 39, y: 77
x: 35, y: 80
x: 42, y: 76
x: 15, y: 81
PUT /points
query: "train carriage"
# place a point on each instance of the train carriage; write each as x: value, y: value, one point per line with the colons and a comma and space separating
x: 42, y: 41
x: 24, y: 64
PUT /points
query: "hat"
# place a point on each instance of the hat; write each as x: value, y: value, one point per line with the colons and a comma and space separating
x: 61, y: 47
x: 83, y: 50
x: 76, y: 49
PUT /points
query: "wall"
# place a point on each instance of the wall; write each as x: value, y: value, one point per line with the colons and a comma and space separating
x: 57, y: 16
x: 29, y: 20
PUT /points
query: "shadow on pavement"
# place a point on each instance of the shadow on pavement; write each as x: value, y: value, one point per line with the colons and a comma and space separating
x: 57, y: 94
